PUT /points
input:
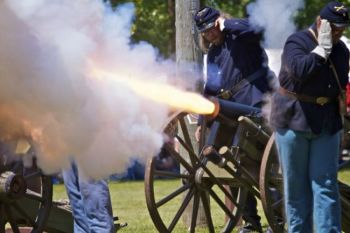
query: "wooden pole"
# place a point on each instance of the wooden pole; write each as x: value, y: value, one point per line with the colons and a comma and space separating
x: 186, y: 35
x: 188, y: 55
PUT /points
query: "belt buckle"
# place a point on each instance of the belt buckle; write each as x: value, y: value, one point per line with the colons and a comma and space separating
x: 321, y: 100
x: 225, y: 94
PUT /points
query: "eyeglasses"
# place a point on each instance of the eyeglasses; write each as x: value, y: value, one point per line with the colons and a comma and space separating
x: 337, y: 29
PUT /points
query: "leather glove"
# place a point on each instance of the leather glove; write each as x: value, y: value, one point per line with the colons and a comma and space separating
x: 324, y: 39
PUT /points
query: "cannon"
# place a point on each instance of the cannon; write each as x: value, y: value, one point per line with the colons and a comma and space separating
x: 26, y: 203
x: 237, y: 156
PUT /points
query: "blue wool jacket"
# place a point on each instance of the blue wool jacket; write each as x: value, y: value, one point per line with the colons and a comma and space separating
x: 304, y: 72
x: 239, y: 56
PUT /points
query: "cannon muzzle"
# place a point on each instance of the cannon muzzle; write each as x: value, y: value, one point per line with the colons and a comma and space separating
x: 232, y: 109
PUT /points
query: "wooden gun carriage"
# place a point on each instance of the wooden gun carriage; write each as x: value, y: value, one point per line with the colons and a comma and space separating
x: 237, y: 156
x: 26, y: 203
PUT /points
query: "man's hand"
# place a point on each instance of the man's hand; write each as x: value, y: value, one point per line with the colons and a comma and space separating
x: 220, y: 23
x: 324, y: 39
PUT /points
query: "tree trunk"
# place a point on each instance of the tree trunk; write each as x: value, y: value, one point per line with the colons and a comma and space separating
x: 171, y: 12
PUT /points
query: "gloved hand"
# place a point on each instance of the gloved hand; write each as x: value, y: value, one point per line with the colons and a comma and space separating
x: 220, y: 22
x: 324, y: 39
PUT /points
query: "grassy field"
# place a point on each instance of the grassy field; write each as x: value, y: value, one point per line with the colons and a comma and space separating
x: 129, y: 204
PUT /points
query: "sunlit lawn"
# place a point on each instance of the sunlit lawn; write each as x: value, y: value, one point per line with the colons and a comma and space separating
x: 129, y: 204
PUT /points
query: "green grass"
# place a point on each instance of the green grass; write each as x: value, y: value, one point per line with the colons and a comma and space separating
x: 129, y: 204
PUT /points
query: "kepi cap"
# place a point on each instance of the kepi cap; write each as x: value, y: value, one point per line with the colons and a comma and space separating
x: 205, y: 18
x: 336, y: 13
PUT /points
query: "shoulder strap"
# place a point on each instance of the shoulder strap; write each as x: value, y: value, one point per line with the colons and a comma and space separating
x: 313, y: 35
x: 226, y: 94
x: 336, y: 77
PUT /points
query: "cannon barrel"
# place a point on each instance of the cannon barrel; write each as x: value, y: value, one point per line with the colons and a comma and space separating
x: 232, y: 109
x: 254, y: 130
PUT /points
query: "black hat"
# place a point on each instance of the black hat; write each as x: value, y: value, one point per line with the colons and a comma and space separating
x: 205, y: 18
x: 336, y: 13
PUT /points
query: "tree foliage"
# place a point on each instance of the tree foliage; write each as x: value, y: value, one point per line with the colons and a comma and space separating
x: 154, y: 23
x: 155, y: 19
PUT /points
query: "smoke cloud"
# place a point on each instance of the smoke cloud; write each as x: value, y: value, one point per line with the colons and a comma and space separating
x: 49, y: 95
x: 277, y: 20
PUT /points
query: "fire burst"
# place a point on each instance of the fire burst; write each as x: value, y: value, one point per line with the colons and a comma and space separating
x: 163, y: 93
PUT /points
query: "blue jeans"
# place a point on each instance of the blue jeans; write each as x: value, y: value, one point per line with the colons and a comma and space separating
x: 309, y: 164
x: 90, y: 202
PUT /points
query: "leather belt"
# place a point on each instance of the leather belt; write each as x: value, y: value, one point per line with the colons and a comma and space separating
x: 227, y: 94
x: 321, y: 100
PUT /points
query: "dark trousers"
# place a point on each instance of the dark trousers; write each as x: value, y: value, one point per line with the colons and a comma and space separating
x: 251, y: 211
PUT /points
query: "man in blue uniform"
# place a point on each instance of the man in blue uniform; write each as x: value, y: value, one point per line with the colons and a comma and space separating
x: 236, y: 70
x: 307, y: 120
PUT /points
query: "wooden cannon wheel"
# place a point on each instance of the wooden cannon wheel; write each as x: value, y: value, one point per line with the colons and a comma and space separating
x: 271, y: 187
x: 25, y: 197
x: 196, y: 187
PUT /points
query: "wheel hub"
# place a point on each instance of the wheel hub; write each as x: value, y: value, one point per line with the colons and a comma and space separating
x: 12, y: 185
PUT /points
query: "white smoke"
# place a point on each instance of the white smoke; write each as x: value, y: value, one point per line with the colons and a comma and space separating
x: 48, y: 95
x: 276, y: 17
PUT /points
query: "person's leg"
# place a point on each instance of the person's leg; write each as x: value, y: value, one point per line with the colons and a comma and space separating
x: 293, y: 149
x: 98, y: 207
x: 324, y: 153
x: 251, y: 211
x: 71, y: 182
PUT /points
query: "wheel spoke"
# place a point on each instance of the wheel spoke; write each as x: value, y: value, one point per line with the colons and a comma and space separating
x: 171, y: 174
x: 226, y: 192
x: 194, y: 212
x: 34, y: 195
x: 248, y: 182
x: 179, y: 158
x: 11, y: 220
x: 181, y: 209
x: 216, y: 181
x: 206, y: 207
x: 191, y: 153
x: 173, y: 195
x: 221, y: 203
x: 186, y: 134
